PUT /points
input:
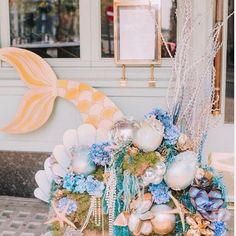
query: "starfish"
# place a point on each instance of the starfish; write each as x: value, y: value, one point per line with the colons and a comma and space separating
x: 60, y: 216
x: 180, y: 210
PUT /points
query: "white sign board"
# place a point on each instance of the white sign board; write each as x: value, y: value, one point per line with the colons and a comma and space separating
x: 137, y: 33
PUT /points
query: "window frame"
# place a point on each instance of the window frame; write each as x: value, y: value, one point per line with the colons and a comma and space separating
x: 90, y: 39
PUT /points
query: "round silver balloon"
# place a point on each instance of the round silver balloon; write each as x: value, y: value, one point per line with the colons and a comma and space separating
x: 160, y: 168
x: 147, y: 137
x: 123, y: 131
x: 158, y: 179
x: 163, y: 222
x: 81, y: 163
x: 148, y: 177
x: 181, y: 172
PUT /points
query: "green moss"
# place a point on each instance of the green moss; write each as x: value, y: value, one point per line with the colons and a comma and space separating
x: 78, y: 218
x: 136, y: 164
x: 98, y: 174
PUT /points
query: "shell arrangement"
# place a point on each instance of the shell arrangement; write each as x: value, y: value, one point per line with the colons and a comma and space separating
x: 142, y: 178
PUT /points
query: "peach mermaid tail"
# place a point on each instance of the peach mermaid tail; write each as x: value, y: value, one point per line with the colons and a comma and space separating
x: 37, y: 104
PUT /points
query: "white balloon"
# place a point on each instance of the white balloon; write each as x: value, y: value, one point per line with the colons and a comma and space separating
x: 180, y: 174
x: 147, y: 137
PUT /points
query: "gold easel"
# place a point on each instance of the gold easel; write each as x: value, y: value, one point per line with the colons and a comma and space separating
x: 152, y: 81
x: 123, y: 81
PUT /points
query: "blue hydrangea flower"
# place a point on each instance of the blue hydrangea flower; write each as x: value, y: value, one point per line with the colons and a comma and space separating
x: 160, y: 193
x: 80, y: 184
x: 94, y: 187
x: 171, y: 132
x: 99, y: 153
x: 62, y: 204
x: 69, y: 182
x: 219, y: 228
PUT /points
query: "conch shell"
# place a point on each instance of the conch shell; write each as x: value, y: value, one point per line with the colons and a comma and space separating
x: 138, y: 220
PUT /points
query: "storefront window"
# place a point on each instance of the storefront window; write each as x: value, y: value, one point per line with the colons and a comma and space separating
x: 229, y: 93
x: 49, y: 28
x: 168, y: 27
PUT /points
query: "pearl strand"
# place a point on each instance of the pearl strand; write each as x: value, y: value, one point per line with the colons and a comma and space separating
x: 110, y: 197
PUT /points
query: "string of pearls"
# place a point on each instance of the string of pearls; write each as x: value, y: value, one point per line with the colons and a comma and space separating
x: 110, y: 197
x: 97, y: 212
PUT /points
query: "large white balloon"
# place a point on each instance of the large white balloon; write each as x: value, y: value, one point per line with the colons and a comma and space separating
x: 147, y: 137
x: 180, y: 174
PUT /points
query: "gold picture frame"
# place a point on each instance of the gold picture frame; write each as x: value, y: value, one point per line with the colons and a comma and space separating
x: 139, y: 43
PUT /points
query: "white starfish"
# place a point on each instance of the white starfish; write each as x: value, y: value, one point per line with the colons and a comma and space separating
x: 60, y: 216
x: 180, y: 210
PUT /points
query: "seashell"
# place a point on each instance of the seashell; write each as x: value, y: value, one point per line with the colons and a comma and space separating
x: 70, y: 139
x: 134, y: 204
x: 146, y: 228
x: 61, y: 156
x: 89, y: 138
x: 146, y: 216
x: 102, y: 135
x: 38, y: 193
x: 43, y: 182
x: 48, y: 170
x: 122, y: 219
x: 144, y: 204
x: 134, y: 224
x: 58, y: 170
x: 184, y: 143
x: 163, y: 223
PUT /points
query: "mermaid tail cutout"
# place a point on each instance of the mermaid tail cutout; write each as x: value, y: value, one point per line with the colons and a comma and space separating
x: 37, y: 104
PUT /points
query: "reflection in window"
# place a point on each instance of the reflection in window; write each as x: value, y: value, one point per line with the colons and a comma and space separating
x: 229, y: 93
x: 49, y: 28
x: 168, y: 27
x: 107, y: 28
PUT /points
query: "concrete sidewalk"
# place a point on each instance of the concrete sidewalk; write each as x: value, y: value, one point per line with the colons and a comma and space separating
x: 22, y: 216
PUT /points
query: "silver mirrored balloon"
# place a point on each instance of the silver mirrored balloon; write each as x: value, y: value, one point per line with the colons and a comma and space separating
x: 81, y: 163
x: 123, y: 131
x: 148, y: 177
x: 160, y: 168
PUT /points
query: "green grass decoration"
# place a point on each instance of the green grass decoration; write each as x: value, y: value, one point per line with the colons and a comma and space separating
x: 136, y: 164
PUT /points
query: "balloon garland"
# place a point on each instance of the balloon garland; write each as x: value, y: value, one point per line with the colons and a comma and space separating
x: 144, y: 180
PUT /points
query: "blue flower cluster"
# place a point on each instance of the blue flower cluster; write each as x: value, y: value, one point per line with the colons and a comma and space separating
x: 62, y: 204
x: 80, y: 184
x: 219, y: 228
x: 160, y: 193
x: 99, y: 153
x: 171, y: 132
